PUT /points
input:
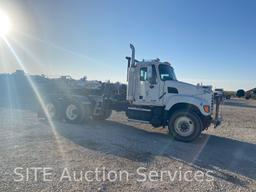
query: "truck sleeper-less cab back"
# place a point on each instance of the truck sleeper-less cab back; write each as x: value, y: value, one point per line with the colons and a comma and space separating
x: 156, y: 96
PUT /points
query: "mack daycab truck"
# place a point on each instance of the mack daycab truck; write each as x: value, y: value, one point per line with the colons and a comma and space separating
x: 153, y: 95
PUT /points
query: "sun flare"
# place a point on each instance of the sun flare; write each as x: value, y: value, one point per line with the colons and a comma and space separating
x: 5, y: 24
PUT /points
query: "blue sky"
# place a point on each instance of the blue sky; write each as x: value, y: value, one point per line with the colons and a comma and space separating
x: 212, y: 42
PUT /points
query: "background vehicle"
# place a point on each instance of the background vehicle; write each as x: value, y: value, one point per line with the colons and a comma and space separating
x: 219, y: 93
x: 251, y: 94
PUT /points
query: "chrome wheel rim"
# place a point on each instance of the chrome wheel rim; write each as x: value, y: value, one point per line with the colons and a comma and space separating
x: 72, y: 112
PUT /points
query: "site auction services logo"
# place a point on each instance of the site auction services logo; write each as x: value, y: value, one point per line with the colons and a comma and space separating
x: 141, y: 174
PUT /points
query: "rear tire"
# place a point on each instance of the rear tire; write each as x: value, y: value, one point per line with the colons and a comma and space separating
x: 74, y: 113
x: 185, y: 125
x: 53, y: 110
x: 106, y: 114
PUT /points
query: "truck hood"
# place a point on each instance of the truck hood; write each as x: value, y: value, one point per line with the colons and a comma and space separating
x: 203, y: 93
x: 189, y: 89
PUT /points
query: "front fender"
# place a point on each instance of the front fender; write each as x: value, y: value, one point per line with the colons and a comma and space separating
x: 187, y: 99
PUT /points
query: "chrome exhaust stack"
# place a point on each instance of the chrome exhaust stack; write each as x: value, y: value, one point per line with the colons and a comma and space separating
x: 130, y: 75
x: 133, y: 55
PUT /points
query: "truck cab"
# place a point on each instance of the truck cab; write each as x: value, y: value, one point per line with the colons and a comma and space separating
x: 156, y: 96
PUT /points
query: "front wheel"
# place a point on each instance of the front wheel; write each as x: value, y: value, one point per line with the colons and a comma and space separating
x: 185, y: 125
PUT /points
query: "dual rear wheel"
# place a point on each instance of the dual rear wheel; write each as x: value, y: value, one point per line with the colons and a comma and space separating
x: 73, y: 112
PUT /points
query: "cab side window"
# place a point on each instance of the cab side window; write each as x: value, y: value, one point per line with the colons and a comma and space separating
x: 143, y: 74
x: 154, y: 75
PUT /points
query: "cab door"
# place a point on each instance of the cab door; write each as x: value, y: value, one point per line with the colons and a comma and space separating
x: 148, y: 87
x: 153, y: 88
x: 141, y: 88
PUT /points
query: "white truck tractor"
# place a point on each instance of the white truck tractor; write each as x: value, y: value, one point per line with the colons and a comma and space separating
x: 156, y: 96
x: 153, y: 95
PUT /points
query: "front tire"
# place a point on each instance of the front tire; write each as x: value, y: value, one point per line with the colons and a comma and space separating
x: 185, y: 125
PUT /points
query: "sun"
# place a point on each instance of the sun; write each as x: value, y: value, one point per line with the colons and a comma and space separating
x: 5, y: 24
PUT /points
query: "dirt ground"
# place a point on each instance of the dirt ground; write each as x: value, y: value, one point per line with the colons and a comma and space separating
x: 227, y: 154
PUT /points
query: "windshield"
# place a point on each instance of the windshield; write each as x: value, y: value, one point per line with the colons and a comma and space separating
x: 166, y: 72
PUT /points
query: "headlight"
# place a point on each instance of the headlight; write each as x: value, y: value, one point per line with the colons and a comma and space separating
x: 207, y: 108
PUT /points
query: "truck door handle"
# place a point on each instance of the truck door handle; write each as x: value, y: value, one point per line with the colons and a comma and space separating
x: 151, y: 86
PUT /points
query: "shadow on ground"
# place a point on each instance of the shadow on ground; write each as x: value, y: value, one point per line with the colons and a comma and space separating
x: 210, y: 152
